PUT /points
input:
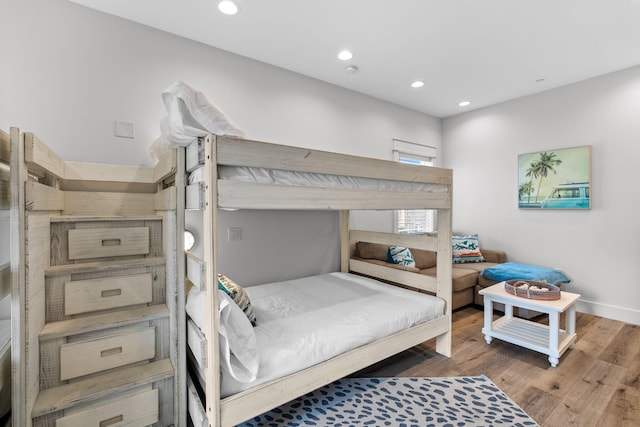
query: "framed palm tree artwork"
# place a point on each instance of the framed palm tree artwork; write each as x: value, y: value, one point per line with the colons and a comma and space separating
x: 555, y: 179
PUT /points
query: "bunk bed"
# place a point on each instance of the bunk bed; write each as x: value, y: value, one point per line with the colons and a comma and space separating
x: 95, y: 302
x: 233, y: 173
x: 5, y: 280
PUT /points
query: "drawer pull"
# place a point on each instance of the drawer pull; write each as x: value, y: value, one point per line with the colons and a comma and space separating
x: 111, y: 421
x: 111, y: 293
x: 111, y: 242
x: 111, y: 352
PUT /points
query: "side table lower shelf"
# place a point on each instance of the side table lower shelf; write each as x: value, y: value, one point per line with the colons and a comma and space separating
x: 531, y: 335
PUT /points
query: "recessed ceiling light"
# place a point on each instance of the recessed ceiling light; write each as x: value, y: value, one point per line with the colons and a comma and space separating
x: 345, y: 55
x: 228, y: 7
x: 350, y: 69
x: 417, y: 84
x: 464, y: 103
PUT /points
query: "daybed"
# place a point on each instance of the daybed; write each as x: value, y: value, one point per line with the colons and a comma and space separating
x: 466, y: 278
x: 322, y: 181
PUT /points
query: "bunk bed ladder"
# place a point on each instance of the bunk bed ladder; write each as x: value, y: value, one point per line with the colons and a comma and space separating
x: 201, y: 273
x: 96, y: 302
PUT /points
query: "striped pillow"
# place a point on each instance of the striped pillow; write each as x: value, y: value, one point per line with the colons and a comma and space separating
x: 238, y: 295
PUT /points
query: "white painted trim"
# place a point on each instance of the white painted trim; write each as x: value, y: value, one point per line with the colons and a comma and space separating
x: 414, y: 149
x: 396, y: 158
x: 622, y: 314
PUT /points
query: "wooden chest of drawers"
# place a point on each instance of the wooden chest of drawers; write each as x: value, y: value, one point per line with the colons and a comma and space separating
x: 97, y: 305
x: 106, y: 313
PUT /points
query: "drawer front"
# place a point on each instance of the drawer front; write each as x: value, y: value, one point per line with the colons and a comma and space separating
x: 82, y: 296
x: 138, y: 410
x: 87, y: 357
x: 108, y: 242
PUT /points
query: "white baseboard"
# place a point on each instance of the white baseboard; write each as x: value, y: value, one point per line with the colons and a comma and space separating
x: 622, y: 314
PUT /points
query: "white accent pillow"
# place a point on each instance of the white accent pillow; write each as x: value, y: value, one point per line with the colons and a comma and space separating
x: 238, y: 346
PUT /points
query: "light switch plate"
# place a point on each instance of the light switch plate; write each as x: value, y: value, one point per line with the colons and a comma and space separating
x: 124, y: 129
x: 235, y: 234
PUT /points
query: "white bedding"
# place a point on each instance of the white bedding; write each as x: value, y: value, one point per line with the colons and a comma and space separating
x: 306, y: 321
x: 308, y: 179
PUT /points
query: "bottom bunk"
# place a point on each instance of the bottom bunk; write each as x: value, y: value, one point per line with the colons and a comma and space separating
x: 308, y: 332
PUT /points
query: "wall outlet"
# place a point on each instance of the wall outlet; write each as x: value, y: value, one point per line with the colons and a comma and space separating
x: 234, y: 234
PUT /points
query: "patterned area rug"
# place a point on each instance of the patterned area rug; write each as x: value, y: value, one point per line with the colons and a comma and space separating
x: 399, y: 402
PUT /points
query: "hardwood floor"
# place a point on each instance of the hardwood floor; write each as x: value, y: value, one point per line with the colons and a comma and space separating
x: 597, y: 383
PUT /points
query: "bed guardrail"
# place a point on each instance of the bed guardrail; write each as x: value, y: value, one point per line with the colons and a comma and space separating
x: 232, y: 151
x: 406, y: 278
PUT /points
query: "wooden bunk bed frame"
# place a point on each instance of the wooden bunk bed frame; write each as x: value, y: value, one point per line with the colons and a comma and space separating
x: 214, y: 193
x: 119, y: 268
x: 5, y: 278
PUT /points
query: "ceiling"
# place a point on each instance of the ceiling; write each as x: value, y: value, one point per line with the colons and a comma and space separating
x: 484, y: 51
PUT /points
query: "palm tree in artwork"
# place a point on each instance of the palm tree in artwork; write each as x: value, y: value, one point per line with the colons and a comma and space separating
x: 532, y: 172
x: 543, y: 166
x: 526, y: 189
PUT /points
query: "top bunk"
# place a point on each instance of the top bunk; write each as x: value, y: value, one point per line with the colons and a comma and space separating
x: 261, y: 175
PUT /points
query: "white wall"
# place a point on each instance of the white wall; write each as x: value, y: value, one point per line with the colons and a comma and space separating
x: 69, y: 72
x: 596, y: 248
x: 74, y: 71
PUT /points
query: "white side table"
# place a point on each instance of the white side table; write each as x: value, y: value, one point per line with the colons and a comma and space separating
x: 550, y: 340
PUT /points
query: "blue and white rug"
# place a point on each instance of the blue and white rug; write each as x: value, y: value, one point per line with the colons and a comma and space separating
x: 399, y: 402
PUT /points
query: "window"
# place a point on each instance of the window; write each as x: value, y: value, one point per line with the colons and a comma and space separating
x: 414, y: 221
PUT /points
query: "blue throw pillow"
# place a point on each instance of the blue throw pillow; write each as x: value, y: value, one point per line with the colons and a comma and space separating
x: 517, y: 271
x: 465, y: 249
x: 400, y: 255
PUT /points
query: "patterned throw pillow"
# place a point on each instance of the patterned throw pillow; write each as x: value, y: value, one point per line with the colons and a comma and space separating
x: 400, y: 255
x: 238, y: 295
x: 465, y: 249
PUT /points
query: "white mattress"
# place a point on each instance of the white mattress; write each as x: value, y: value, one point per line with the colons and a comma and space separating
x: 308, y: 179
x: 306, y: 321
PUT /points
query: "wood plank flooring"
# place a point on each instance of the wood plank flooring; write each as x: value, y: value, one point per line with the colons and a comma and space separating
x: 597, y: 383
